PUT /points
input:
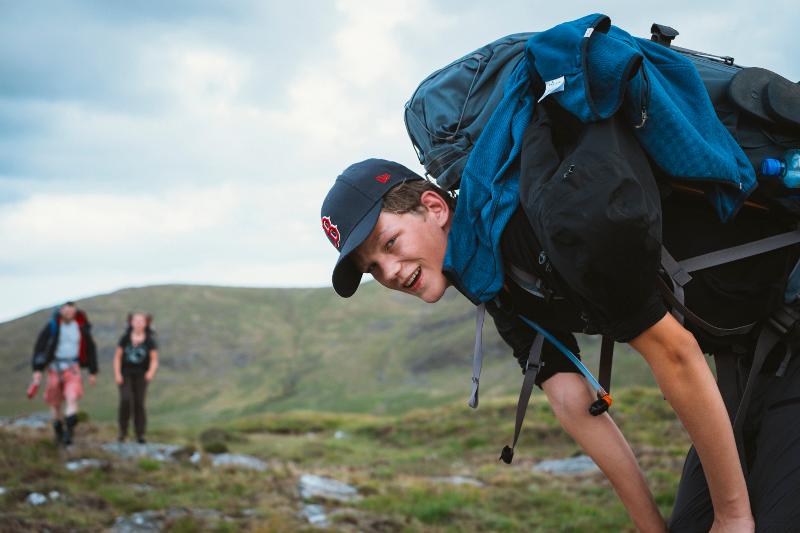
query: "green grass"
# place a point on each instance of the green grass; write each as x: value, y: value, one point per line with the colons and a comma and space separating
x: 391, y: 459
x: 228, y: 353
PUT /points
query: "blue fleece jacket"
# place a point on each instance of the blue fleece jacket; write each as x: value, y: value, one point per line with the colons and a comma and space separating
x: 604, y: 70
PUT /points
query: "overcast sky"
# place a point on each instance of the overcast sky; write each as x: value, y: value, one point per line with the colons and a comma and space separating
x: 189, y: 141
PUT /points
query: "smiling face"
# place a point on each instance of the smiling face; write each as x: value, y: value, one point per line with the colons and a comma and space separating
x: 138, y: 322
x: 405, y: 252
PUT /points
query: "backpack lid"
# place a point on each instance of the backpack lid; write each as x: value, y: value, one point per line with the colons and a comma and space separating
x: 449, y: 109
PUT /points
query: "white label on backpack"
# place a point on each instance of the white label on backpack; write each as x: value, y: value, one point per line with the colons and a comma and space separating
x: 552, y: 86
x: 588, y: 33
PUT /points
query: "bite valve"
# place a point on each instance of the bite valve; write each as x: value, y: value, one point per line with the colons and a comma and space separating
x: 602, y: 403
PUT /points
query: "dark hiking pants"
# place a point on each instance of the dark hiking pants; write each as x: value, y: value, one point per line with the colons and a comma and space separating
x: 772, y: 447
x: 131, y: 396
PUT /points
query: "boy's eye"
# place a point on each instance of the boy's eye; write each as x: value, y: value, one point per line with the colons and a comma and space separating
x: 390, y: 242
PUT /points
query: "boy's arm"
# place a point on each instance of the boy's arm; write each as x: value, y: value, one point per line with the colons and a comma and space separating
x: 688, y: 385
x: 602, y: 440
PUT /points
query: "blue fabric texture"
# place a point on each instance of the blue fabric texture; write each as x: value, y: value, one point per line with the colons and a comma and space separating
x: 605, y: 70
x: 489, y: 194
x: 682, y: 134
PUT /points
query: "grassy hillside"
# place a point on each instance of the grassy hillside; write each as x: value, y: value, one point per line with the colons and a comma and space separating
x: 231, y: 352
x: 396, y: 462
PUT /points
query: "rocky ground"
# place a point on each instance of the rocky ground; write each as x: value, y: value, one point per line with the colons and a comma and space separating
x: 432, y: 470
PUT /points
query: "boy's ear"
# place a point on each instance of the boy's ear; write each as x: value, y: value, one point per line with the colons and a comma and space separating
x: 436, y: 207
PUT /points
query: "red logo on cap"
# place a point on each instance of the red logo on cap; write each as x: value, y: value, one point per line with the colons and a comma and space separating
x: 383, y: 178
x: 331, y: 231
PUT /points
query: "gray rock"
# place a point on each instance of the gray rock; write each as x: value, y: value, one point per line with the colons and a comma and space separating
x: 84, y: 464
x: 2, y: 491
x: 312, y: 486
x: 132, y: 450
x: 196, y: 458
x: 315, y: 514
x: 339, y: 435
x: 141, y: 487
x: 35, y: 498
x: 32, y: 421
x: 143, y: 522
x: 53, y: 495
x: 152, y: 521
x: 239, y: 461
x: 581, y: 464
x: 459, y: 480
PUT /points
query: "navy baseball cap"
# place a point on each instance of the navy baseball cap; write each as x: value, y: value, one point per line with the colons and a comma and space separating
x: 351, y: 210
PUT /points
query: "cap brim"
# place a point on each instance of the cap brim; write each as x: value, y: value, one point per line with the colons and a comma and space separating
x: 346, y: 275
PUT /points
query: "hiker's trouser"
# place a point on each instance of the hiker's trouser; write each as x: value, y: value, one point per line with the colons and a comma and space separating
x: 772, y: 446
x: 63, y: 385
x: 131, y: 396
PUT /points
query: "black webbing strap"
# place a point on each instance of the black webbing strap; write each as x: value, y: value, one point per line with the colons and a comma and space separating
x: 606, y: 360
x: 785, y: 363
x: 532, y: 368
x: 734, y: 253
x: 679, y: 278
x: 678, y: 307
x: 678, y: 272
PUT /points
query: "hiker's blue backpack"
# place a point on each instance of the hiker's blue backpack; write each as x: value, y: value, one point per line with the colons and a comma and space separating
x: 449, y: 109
x: 760, y: 109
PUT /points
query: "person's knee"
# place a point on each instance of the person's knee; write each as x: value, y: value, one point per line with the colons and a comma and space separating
x: 568, y: 396
x: 682, y: 350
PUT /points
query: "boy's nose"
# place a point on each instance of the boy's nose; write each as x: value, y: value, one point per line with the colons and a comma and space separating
x: 392, y: 270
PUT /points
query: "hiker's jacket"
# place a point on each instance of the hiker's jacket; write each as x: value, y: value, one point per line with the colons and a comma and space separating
x: 606, y: 70
x: 47, y: 341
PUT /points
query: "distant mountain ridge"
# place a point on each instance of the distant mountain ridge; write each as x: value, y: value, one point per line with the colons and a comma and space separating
x: 228, y: 352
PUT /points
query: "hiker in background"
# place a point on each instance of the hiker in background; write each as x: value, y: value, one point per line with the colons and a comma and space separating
x: 135, y: 365
x: 64, y: 346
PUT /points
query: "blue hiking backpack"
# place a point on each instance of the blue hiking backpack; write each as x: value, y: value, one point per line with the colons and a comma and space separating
x: 450, y: 108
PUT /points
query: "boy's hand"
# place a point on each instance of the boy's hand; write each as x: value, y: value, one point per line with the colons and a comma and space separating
x: 118, y: 378
x: 149, y: 377
x: 92, y: 379
x: 37, y: 377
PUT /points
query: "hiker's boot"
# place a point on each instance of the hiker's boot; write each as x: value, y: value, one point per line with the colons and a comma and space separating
x: 72, y: 421
x: 58, y: 430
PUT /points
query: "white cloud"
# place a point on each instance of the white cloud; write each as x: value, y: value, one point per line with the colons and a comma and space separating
x: 216, y: 140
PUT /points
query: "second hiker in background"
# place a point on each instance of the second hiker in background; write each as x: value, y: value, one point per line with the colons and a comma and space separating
x: 135, y: 366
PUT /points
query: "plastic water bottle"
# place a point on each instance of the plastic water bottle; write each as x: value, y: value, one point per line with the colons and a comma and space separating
x: 787, y: 169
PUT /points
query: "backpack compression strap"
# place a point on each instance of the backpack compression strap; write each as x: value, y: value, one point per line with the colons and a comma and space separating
x: 477, y: 356
x: 679, y: 273
x: 532, y: 368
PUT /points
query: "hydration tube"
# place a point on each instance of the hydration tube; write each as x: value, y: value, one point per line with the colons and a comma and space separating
x: 604, y: 399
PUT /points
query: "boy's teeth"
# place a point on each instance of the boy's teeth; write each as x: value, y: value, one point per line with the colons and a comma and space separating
x: 414, y: 277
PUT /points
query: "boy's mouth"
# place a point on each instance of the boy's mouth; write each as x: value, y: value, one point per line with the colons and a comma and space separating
x: 411, y: 281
